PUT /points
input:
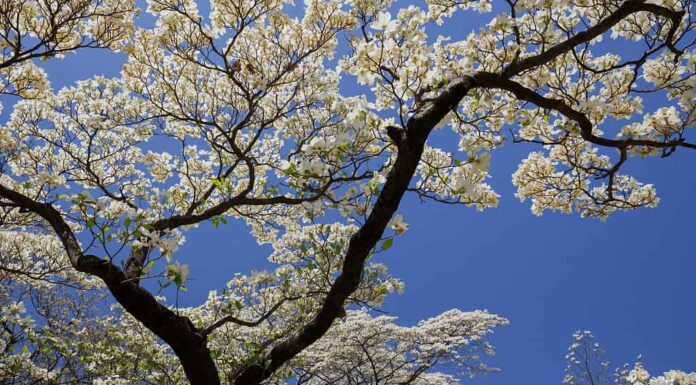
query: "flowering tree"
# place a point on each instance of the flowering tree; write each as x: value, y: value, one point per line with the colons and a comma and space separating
x: 586, y: 366
x: 236, y: 114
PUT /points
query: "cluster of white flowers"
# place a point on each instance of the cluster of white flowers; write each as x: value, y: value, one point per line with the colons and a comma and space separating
x: 639, y: 376
x: 444, y: 177
x: 586, y: 367
x: 50, y: 28
x: 167, y: 243
x: 379, y: 350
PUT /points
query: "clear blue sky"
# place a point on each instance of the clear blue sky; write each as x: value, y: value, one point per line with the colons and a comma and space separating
x: 631, y: 280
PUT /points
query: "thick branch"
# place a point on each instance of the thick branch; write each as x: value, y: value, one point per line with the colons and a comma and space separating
x: 187, y: 341
x: 627, y: 8
x: 222, y: 207
x: 408, y: 156
x: 490, y: 80
x: 362, y: 242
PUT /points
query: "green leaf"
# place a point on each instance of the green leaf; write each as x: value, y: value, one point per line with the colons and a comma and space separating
x: 127, y: 221
x: 90, y: 222
x: 149, y: 266
x: 218, y: 182
x: 387, y: 244
x: 238, y: 304
x: 290, y: 171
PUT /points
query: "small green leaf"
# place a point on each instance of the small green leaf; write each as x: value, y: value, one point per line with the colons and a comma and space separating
x: 148, y: 267
x: 218, y: 182
x: 291, y: 170
x: 387, y: 244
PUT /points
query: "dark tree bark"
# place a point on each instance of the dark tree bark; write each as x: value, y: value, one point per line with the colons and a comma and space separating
x: 188, y: 342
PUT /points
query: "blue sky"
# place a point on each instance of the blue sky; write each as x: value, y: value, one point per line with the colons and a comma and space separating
x: 631, y: 280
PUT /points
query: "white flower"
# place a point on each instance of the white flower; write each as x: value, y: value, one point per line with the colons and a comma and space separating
x: 384, y: 22
x: 397, y: 224
x: 177, y: 272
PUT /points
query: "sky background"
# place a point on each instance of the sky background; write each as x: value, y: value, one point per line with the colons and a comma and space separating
x: 631, y: 280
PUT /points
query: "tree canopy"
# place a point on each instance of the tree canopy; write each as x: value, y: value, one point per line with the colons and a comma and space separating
x: 238, y: 114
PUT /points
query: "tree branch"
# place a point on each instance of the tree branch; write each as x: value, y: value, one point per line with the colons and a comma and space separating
x: 362, y: 242
x: 627, y: 8
x: 186, y: 340
x: 242, y: 322
x: 408, y: 156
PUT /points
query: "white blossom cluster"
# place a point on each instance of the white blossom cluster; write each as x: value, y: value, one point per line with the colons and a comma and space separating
x: 586, y: 366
